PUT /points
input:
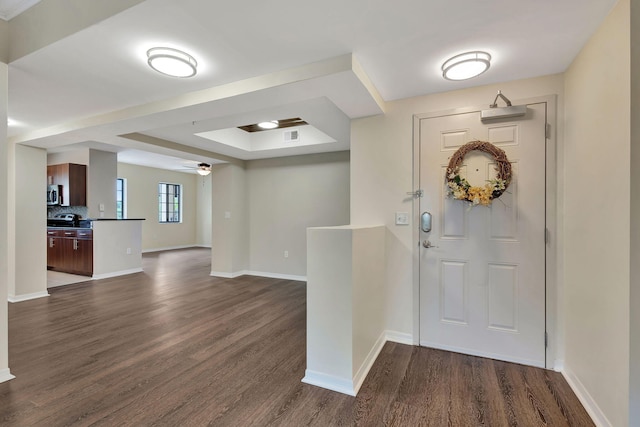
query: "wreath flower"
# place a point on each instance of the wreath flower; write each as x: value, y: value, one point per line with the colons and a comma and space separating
x: 459, y: 188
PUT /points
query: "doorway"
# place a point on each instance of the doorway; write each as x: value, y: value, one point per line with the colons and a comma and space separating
x: 483, y: 271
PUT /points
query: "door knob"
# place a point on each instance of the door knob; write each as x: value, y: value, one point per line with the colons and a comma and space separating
x: 427, y: 244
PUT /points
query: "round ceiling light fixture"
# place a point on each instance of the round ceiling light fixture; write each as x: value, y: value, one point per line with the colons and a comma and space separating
x: 268, y: 125
x: 466, y: 65
x: 172, y: 62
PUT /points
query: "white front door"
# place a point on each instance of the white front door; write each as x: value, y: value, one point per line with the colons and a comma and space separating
x: 482, y: 285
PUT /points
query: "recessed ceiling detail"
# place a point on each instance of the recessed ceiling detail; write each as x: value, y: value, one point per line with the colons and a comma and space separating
x: 283, y: 123
x: 271, y: 140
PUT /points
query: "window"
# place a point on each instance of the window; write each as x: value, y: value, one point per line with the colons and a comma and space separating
x: 169, y: 202
x: 121, y: 196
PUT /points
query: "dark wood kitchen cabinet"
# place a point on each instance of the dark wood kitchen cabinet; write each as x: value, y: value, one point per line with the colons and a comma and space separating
x: 83, y: 253
x: 70, y: 251
x: 54, y: 250
x: 73, y: 178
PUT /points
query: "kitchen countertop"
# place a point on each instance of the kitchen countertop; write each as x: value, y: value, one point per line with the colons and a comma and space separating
x: 51, y: 227
x: 115, y: 219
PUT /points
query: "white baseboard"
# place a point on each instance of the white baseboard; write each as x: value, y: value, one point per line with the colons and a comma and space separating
x: 368, y: 362
x: 5, y: 375
x: 235, y: 274
x: 329, y: 382
x: 116, y: 273
x: 558, y: 365
x: 487, y: 354
x: 399, y: 337
x: 277, y: 276
x: 351, y: 387
x: 168, y: 248
x: 27, y: 297
x: 225, y: 275
x: 590, y: 405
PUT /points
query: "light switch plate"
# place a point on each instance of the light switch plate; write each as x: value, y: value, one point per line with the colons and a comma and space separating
x: 402, y: 218
x: 227, y: 215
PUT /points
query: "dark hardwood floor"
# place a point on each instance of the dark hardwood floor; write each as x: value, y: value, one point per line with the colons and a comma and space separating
x: 175, y: 347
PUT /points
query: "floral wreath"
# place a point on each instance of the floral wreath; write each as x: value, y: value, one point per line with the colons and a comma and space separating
x: 459, y: 188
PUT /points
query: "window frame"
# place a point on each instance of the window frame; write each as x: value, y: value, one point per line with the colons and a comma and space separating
x: 164, y: 216
x: 123, y: 200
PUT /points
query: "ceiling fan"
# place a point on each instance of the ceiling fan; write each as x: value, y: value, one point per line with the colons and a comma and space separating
x: 203, y: 169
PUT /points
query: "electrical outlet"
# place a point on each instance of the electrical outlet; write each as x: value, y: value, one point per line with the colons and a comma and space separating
x: 227, y: 215
x: 128, y: 251
x: 286, y: 254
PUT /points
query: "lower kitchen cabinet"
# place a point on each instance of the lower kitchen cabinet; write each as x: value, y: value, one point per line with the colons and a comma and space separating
x: 70, y: 251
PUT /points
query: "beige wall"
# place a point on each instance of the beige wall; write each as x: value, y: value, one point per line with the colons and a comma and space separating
x: 142, y: 202
x: 597, y: 221
x: 203, y: 228
x: 287, y: 195
x: 31, y: 222
x: 80, y: 157
x: 4, y: 226
x: 634, y: 330
x: 230, y: 218
x: 50, y: 20
x: 381, y: 175
x: 4, y: 41
x: 101, y: 184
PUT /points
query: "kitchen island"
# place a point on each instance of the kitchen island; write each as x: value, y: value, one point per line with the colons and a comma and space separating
x: 98, y: 248
x: 117, y: 247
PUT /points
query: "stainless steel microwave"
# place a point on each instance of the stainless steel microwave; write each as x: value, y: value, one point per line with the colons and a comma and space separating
x: 54, y: 194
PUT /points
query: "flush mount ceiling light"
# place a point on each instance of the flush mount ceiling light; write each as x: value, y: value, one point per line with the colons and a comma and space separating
x: 204, y: 169
x: 268, y: 125
x: 466, y: 65
x: 171, y: 62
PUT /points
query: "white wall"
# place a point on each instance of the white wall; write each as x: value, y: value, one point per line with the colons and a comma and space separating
x: 116, y: 248
x: 287, y: 195
x: 31, y: 223
x: 597, y: 217
x: 101, y: 183
x: 203, y: 216
x: 142, y: 202
x: 381, y: 175
x: 345, y: 329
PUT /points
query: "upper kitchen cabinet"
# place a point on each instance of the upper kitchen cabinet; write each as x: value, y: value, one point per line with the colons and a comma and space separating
x: 73, y: 179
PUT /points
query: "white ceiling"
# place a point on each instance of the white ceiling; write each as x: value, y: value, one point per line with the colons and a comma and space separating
x: 95, y: 85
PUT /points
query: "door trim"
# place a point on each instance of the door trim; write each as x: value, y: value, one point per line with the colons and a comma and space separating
x: 553, y: 356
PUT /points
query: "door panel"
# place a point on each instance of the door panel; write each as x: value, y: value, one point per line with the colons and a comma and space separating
x: 482, y: 285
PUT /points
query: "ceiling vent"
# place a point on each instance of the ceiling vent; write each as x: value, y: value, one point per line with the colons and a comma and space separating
x: 291, y: 136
